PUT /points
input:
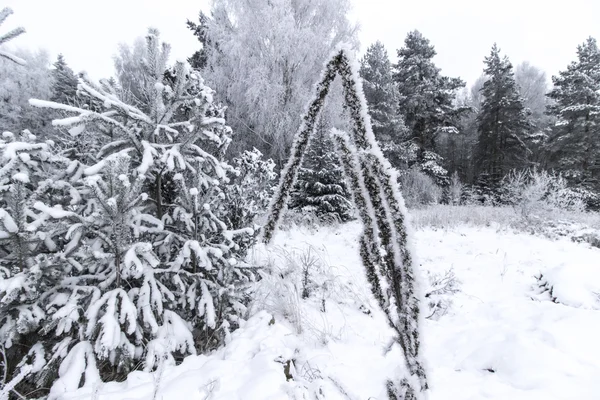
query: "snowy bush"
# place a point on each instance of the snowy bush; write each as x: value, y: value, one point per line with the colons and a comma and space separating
x: 439, y: 294
x: 127, y: 263
x: 249, y: 193
x: 455, y: 190
x: 574, y: 285
x: 533, y: 191
x: 298, y: 283
x: 288, y: 278
x: 418, y: 189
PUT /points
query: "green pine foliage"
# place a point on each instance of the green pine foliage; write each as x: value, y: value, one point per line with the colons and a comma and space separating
x: 8, y: 36
x: 199, y: 59
x: 381, y: 95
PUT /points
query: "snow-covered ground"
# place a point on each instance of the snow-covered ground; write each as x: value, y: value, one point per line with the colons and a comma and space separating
x: 523, y: 322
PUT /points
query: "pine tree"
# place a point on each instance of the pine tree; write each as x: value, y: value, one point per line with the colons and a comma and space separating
x: 156, y: 272
x: 573, y: 147
x: 426, y: 99
x: 199, y: 59
x: 321, y: 188
x: 380, y: 92
x: 4, y: 38
x: 64, y: 85
x: 30, y: 245
x: 503, y: 123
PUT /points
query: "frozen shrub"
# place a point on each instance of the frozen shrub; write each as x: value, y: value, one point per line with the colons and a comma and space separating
x: 455, y: 190
x: 419, y: 189
x: 131, y: 262
x: 536, y: 191
x: 248, y: 195
x: 439, y: 294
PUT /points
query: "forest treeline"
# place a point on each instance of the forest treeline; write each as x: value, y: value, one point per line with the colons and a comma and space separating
x: 129, y: 204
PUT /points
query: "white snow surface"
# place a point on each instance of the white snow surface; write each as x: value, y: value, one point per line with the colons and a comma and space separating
x: 502, y: 337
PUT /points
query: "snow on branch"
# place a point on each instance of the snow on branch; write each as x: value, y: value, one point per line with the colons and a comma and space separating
x: 5, y: 13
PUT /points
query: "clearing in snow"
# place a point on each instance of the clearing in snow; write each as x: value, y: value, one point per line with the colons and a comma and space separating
x: 513, y: 316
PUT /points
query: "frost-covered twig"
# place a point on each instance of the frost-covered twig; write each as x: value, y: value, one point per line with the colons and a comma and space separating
x: 5, y: 13
x: 301, y: 142
x: 384, y: 244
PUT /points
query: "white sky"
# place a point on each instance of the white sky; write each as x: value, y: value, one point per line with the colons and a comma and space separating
x: 544, y: 32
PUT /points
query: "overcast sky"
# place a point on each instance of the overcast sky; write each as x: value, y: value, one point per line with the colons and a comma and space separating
x: 544, y: 32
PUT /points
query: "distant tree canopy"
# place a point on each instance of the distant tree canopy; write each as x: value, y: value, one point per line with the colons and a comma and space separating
x: 263, y: 58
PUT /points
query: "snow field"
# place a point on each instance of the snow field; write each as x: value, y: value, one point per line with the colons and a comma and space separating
x: 523, y: 324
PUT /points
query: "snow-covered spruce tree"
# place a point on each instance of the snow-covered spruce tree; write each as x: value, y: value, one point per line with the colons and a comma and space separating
x: 384, y: 244
x: 6, y: 37
x: 320, y: 188
x: 573, y: 146
x: 426, y: 100
x: 173, y: 279
x: 64, y: 85
x: 30, y: 173
x: 503, y: 123
x: 381, y: 94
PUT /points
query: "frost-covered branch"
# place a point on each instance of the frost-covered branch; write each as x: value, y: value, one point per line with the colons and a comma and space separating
x: 301, y: 142
x: 4, y: 38
x: 384, y: 246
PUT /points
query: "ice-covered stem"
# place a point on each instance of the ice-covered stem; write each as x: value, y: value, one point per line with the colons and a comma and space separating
x: 18, y: 378
x: 369, y: 241
x: 289, y: 174
x: 371, y: 193
x: 390, y: 213
x: 384, y: 244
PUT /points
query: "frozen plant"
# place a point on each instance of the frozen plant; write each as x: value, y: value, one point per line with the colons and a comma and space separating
x: 535, y: 192
x: 418, y: 189
x: 455, y: 190
x: 155, y: 271
x: 30, y: 243
x: 250, y: 191
x: 441, y: 288
x: 320, y: 188
x: 384, y: 245
x: 4, y: 38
